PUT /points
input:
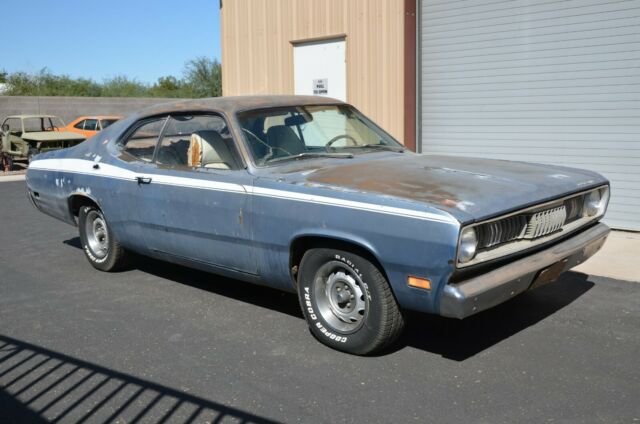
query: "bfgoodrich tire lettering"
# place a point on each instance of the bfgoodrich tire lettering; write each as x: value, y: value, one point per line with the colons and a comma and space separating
x: 100, y: 246
x: 347, y: 302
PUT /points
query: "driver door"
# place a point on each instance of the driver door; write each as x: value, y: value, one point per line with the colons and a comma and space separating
x: 192, y: 195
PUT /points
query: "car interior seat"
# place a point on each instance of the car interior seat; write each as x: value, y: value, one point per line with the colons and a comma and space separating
x: 173, y: 153
x: 209, y: 150
x: 284, y: 141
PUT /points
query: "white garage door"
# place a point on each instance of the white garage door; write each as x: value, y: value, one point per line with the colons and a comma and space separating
x: 544, y: 81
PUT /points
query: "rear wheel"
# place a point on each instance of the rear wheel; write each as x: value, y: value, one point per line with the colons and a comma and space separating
x: 6, y: 162
x: 347, y: 302
x: 99, y: 244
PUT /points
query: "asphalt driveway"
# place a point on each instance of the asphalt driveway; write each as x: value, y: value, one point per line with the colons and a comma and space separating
x: 163, y: 342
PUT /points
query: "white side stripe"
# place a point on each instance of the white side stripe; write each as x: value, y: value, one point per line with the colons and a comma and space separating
x: 86, y: 167
x: 350, y: 204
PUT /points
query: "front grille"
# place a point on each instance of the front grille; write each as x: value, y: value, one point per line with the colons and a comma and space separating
x: 545, y: 222
x: 502, y: 231
x: 529, y: 225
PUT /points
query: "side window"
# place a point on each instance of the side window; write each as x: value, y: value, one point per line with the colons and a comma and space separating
x: 197, y: 141
x: 33, y: 124
x: 48, y: 124
x: 80, y: 124
x: 106, y: 122
x: 14, y: 125
x: 141, y: 143
x: 90, y: 125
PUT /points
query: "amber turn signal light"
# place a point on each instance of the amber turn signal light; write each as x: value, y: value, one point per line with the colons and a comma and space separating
x: 421, y: 283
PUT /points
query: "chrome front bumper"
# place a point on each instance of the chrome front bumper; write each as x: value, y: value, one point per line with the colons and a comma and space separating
x: 471, y: 296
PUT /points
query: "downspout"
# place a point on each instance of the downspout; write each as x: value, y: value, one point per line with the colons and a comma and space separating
x: 410, y: 74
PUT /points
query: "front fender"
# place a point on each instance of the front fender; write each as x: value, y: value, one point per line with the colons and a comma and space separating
x: 341, y: 236
x: 399, y: 259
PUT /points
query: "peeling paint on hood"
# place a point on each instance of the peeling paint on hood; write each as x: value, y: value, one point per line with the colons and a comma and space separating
x: 467, y: 188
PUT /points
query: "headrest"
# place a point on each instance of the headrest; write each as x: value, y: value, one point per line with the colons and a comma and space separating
x: 207, y: 148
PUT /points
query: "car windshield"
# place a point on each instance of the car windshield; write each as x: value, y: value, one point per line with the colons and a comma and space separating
x: 43, y: 123
x: 299, y: 132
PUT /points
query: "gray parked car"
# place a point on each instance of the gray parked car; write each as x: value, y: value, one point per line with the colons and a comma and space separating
x: 306, y: 194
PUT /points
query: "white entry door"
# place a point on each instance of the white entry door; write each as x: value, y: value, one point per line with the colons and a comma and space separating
x: 320, y: 68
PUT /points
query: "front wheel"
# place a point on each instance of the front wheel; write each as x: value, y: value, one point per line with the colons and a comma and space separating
x: 347, y: 302
x: 99, y: 243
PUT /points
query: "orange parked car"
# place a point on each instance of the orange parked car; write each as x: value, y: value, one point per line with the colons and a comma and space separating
x: 91, y: 125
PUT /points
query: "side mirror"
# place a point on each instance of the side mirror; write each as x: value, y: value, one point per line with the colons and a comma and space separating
x: 5, y: 128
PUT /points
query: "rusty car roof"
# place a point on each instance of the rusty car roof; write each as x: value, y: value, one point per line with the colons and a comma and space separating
x: 233, y: 104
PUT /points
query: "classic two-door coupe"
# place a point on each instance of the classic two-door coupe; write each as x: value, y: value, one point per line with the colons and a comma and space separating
x: 89, y: 126
x: 306, y: 194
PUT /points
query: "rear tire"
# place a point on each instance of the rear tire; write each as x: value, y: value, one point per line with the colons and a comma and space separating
x: 6, y: 162
x: 100, y: 246
x: 347, y: 302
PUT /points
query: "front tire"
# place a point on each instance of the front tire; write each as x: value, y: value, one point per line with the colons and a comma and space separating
x: 100, y: 246
x: 347, y: 302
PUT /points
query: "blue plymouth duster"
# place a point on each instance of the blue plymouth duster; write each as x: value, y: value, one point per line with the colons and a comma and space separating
x: 306, y: 194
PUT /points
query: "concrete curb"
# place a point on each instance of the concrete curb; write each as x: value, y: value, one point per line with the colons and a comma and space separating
x: 9, y: 178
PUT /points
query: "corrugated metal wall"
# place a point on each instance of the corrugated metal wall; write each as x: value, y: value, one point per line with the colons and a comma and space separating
x: 69, y: 108
x: 544, y: 81
x: 257, y: 49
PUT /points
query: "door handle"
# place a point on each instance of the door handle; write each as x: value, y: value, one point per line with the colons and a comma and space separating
x: 144, y: 180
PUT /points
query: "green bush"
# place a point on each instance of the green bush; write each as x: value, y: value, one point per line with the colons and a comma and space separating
x: 202, y: 77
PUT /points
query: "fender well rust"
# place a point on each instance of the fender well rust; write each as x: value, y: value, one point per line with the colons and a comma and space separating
x: 301, y: 244
x: 76, y: 201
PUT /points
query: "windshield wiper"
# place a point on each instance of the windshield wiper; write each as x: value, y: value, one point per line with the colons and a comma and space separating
x: 382, y: 147
x: 308, y: 155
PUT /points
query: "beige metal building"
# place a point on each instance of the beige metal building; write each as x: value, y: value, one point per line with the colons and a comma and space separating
x: 278, y: 47
x: 544, y: 81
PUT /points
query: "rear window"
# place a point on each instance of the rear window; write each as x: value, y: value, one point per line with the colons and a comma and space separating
x: 106, y: 122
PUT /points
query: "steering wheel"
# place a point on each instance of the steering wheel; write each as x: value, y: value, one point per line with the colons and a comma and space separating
x: 340, y: 137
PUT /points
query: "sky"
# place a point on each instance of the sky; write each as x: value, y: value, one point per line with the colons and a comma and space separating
x: 98, y: 39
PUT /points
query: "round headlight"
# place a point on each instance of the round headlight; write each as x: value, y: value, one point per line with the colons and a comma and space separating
x: 592, y: 203
x: 468, y: 245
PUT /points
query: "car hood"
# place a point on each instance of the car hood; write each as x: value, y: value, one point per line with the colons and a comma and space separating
x: 470, y: 189
x: 52, y: 136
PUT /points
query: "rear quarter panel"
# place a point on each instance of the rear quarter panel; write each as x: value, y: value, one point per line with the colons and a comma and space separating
x: 50, y: 190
